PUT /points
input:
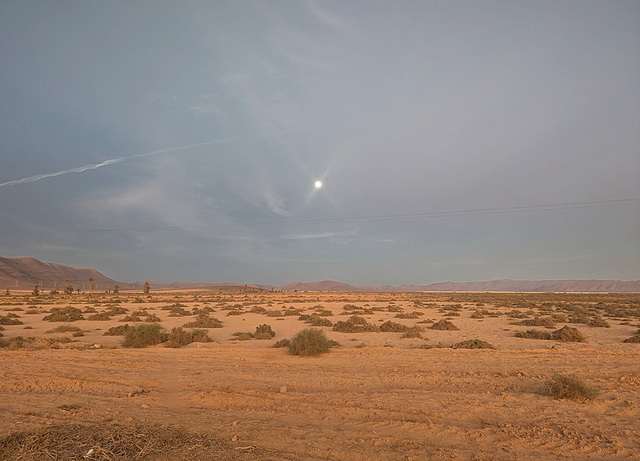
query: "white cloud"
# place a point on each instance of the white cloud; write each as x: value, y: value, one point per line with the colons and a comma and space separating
x: 324, y: 16
x: 318, y: 235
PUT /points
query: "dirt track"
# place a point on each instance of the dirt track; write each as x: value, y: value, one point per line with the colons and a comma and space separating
x: 384, y: 400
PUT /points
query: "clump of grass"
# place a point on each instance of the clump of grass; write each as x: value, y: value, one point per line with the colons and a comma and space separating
x: 444, y: 325
x: 116, y: 310
x: 546, y: 322
x: 145, y: 335
x: 390, y: 326
x: 153, y: 318
x: 409, y: 315
x: 413, y: 332
x: 264, y: 332
x: 355, y: 324
x: 571, y: 387
x: 101, y: 316
x: 131, y: 318
x: 598, y: 321
x: 204, y: 321
x: 282, y: 343
x: 308, y: 342
x: 473, y: 344
x: 65, y: 314
x: 10, y: 319
x: 316, y: 320
x: 532, y: 334
x: 477, y: 315
x: 179, y: 337
x: 633, y: 339
x: 568, y: 334
x: 119, y: 330
x: 65, y: 329
x: 242, y: 335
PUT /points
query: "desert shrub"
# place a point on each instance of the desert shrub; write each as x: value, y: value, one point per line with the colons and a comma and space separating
x: 119, y: 330
x: 324, y: 312
x: 65, y: 314
x: 153, y: 318
x: 355, y: 324
x: 116, y: 310
x: 10, y: 319
x: 13, y: 343
x: 64, y: 329
x: 179, y: 337
x: 546, y: 322
x: 310, y: 341
x: 235, y: 312
x: 145, y: 335
x: 390, y: 326
x: 282, y: 343
x: 473, y: 344
x: 258, y: 310
x: 532, y: 334
x: 633, y: 339
x: 100, y: 316
x: 568, y: 334
x: 242, y: 335
x: 131, y: 318
x: 204, y: 321
x: 264, y: 332
x: 444, y: 325
x: 571, y: 387
x: 409, y: 315
x: 413, y: 332
x: 77, y: 334
x: 598, y: 321
x: 477, y: 315
x: 178, y: 312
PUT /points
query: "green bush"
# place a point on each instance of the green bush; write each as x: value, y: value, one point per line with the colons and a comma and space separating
x: 571, y: 387
x: 144, y: 335
x: 309, y: 342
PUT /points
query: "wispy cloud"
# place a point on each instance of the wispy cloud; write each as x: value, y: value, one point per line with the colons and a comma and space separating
x: 323, y: 16
x: 112, y: 161
x: 318, y: 235
x: 274, y: 203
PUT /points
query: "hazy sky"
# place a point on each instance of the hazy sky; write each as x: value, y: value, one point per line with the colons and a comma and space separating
x: 166, y: 140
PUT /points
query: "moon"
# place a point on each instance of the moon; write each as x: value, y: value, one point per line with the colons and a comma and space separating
x: 318, y: 184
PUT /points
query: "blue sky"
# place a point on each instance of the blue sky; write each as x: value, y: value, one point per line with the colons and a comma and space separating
x: 162, y: 140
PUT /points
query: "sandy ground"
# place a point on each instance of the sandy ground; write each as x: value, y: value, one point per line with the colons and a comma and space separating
x: 376, y: 396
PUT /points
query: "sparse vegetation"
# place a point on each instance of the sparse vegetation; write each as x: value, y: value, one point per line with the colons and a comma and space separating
x: 65, y: 314
x: 65, y: 329
x: 444, y: 325
x: 264, y: 332
x: 179, y: 337
x: 633, y: 339
x: 568, y: 334
x: 355, y: 324
x: 473, y: 344
x: 145, y: 335
x: 309, y: 342
x: 533, y: 334
x: 204, y: 321
x: 118, y: 330
x: 571, y: 387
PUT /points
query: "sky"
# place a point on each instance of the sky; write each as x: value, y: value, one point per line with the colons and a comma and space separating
x: 455, y: 140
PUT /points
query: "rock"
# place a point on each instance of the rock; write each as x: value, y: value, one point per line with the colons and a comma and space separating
x: 283, y: 389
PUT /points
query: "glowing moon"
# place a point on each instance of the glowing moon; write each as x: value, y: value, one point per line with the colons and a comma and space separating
x: 318, y: 184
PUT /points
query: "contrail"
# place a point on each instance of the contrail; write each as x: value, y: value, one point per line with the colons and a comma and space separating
x: 112, y: 161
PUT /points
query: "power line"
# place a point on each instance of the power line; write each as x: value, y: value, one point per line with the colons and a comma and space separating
x: 386, y: 217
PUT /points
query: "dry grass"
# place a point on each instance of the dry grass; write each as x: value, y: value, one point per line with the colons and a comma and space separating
x: 473, y: 344
x: 309, y: 342
x: 444, y: 325
x: 569, y: 335
x: 108, y: 442
x: 571, y: 387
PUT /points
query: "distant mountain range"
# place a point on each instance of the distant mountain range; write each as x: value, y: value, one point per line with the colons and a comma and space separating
x: 25, y: 273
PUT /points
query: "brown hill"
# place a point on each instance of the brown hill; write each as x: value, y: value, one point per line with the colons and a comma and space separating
x: 25, y: 273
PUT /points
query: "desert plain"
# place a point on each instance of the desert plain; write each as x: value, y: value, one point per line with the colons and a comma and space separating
x: 391, y: 388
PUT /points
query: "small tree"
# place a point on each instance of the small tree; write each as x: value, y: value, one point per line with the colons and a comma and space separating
x: 68, y: 288
x: 36, y: 291
x: 116, y: 289
x: 146, y: 288
x: 91, y: 286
